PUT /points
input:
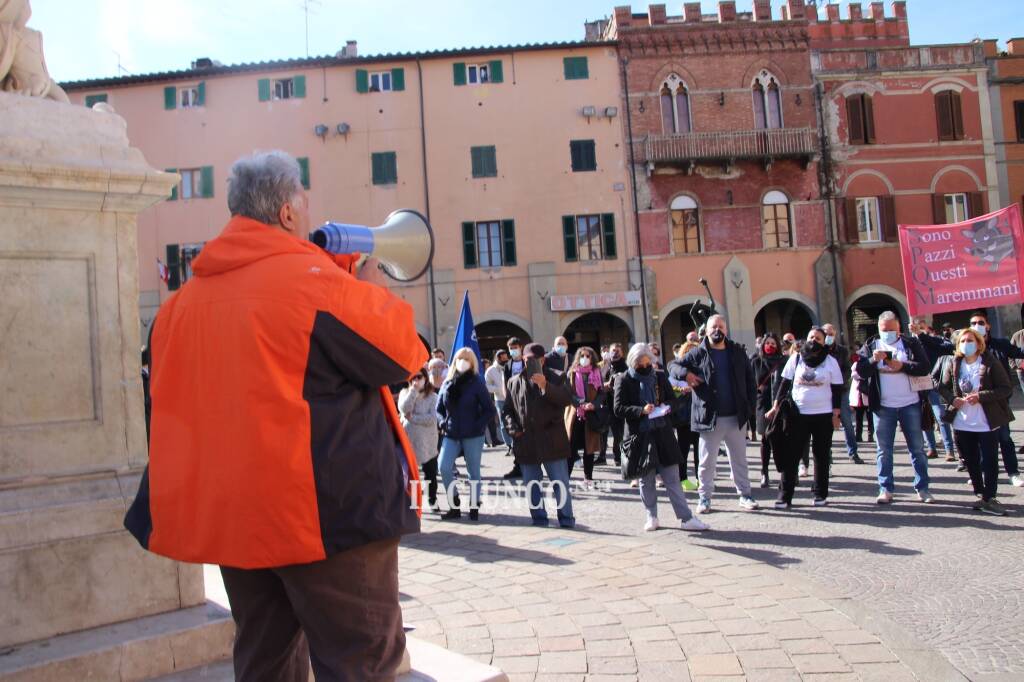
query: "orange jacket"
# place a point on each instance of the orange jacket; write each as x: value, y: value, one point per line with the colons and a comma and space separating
x: 274, y: 438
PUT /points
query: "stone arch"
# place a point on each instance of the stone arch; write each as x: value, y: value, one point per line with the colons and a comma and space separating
x: 963, y: 169
x: 882, y: 289
x: 773, y: 68
x: 569, y: 318
x: 942, y: 83
x: 667, y: 70
x: 857, y: 88
x: 868, y: 171
x: 795, y: 313
x: 803, y: 299
x: 501, y: 316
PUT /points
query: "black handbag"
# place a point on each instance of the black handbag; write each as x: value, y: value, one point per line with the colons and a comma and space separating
x: 600, y: 417
x: 638, y: 457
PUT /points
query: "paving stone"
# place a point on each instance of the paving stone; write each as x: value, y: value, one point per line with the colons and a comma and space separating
x: 604, y: 632
x: 555, y: 644
x: 610, y: 678
x: 480, y: 632
x: 516, y: 664
x: 771, y: 675
x: 849, y: 637
x: 472, y: 646
x: 503, y: 616
x: 792, y: 629
x: 739, y: 626
x: 555, y: 626
x: 714, y: 664
x: 646, y: 652
x: 510, y: 630
x: 752, y: 642
x: 663, y: 671
x: 819, y: 663
x: 693, y: 627
x: 652, y: 634
x: 702, y: 644
x: 619, y: 665
x: 865, y: 653
x: 828, y: 620
x: 883, y: 672
x: 768, y: 658
x: 563, y: 661
x: 589, y: 619
x: 811, y: 645
x: 523, y: 646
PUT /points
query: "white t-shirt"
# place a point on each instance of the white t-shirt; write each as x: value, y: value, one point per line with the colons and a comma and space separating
x: 812, y: 386
x: 970, y: 417
x: 895, y: 386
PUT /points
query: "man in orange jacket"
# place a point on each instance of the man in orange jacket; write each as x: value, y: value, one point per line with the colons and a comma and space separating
x: 276, y: 451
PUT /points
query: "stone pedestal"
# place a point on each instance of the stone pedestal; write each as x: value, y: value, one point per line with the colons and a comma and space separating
x: 72, y: 435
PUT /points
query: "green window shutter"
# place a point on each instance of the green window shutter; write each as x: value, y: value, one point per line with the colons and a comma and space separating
x: 459, y: 73
x: 263, y: 86
x: 94, y: 99
x: 574, y: 155
x: 497, y: 75
x: 299, y: 86
x: 206, y: 181
x: 170, y: 97
x: 508, y: 242
x: 362, y: 80
x: 377, y: 167
x: 391, y: 158
x: 589, y: 155
x: 173, y: 268
x: 569, y: 238
x: 174, y: 190
x: 476, y: 161
x: 304, y: 170
x: 582, y: 155
x: 469, y: 244
x: 575, y: 68
x: 201, y: 99
x: 398, y: 79
x: 385, y: 168
x: 490, y: 159
x: 608, y: 230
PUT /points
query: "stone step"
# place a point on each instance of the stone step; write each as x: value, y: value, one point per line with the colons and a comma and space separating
x: 430, y: 663
x: 132, y: 650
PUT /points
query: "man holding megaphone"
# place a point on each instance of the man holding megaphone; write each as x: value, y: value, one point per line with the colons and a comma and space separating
x: 276, y: 451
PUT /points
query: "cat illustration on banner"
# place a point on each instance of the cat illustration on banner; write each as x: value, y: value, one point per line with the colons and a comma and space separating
x: 988, y: 243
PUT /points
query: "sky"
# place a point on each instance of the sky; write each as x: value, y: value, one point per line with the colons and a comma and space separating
x: 102, y: 38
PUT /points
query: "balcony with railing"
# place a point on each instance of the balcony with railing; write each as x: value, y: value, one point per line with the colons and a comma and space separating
x: 727, y: 146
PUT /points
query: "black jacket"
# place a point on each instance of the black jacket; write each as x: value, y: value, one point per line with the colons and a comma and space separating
x: 842, y: 356
x: 935, y: 347
x: 1003, y: 351
x: 559, y: 363
x: 629, y: 406
x: 704, y: 413
x: 995, y: 390
x: 540, y: 418
x: 684, y: 401
x: 916, y: 366
x: 767, y: 372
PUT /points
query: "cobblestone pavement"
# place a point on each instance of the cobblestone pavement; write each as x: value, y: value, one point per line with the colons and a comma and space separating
x: 849, y: 591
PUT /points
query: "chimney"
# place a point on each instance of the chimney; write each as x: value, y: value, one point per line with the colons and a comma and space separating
x: 856, y: 12
x: 833, y: 12
x: 350, y: 50
x: 878, y: 11
x: 691, y: 12
x: 1015, y: 46
x: 656, y: 15
x: 623, y: 16
x: 797, y: 10
x: 899, y: 9
x: 989, y: 48
x: 726, y: 10
x: 762, y: 10
x: 784, y: 12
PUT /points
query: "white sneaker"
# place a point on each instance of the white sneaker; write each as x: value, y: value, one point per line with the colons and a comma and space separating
x: 820, y: 502
x: 925, y: 496
x: 803, y: 471
x: 1017, y: 481
x: 635, y: 483
x: 884, y: 497
x: 748, y: 503
x: 652, y: 524
x: 694, y: 524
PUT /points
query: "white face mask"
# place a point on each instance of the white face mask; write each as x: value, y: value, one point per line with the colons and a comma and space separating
x: 584, y: 362
x: 980, y: 328
x: 463, y: 366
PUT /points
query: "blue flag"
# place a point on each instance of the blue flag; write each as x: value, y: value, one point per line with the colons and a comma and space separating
x: 465, y: 334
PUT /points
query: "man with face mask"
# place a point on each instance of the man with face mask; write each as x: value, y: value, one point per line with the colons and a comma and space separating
x: 558, y: 359
x: 842, y: 355
x: 724, y: 393
x: 1004, y: 351
x: 494, y: 377
x: 886, y: 363
x: 513, y: 368
x: 934, y: 347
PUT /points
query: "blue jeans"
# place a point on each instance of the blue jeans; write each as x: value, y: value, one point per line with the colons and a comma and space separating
x: 471, y: 449
x: 558, y: 473
x: 846, y: 417
x: 505, y: 437
x: 945, y: 430
x: 909, y: 419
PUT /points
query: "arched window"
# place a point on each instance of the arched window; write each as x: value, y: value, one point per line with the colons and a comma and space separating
x: 685, y: 225
x: 775, y: 219
x: 767, y: 97
x: 675, y: 107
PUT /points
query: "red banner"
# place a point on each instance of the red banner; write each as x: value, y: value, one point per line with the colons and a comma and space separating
x: 974, y: 264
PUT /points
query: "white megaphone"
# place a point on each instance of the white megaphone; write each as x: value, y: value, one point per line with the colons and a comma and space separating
x: 404, y: 244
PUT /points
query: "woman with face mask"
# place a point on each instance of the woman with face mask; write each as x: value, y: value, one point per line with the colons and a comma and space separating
x: 588, y: 396
x: 639, y: 392
x: 464, y: 407
x: 977, y: 391
x: 417, y: 403
x: 767, y: 363
x: 814, y: 381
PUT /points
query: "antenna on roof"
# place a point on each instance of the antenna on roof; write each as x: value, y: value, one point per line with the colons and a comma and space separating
x: 307, y: 6
x: 120, y: 69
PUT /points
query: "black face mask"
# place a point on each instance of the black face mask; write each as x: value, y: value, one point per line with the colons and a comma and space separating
x: 812, y: 347
x: 717, y: 336
x: 644, y: 371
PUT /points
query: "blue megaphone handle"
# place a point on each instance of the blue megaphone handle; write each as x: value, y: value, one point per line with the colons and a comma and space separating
x: 341, y: 238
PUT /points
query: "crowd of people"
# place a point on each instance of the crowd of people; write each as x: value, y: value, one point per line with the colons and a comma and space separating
x: 553, y: 409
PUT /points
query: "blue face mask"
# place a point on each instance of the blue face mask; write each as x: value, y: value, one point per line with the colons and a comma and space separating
x: 561, y: 349
x: 515, y: 353
x: 968, y: 348
x: 889, y: 338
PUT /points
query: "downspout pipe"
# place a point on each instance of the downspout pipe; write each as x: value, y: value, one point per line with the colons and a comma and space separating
x: 426, y: 201
x: 828, y: 195
x: 624, y: 62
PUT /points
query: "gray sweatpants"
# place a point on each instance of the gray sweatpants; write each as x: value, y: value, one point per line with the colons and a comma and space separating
x: 649, y: 492
x: 728, y: 431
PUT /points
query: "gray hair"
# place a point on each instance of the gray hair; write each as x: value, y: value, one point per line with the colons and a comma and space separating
x: 716, y: 316
x: 636, y: 352
x: 887, y: 316
x: 261, y: 184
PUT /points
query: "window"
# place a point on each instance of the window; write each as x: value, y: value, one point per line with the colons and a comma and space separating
x: 95, y: 99
x: 869, y: 226
x: 685, y: 225
x: 575, y: 68
x: 304, y: 171
x: 582, y: 155
x: 775, y: 217
x: 385, y: 168
x: 195, y: 183
x: 957, y: 209
x: 475, y: 74
x: 484, y: 162
x: 860, y: 117
x: 185, y: 97
x: 380, y: 81
x: 489, y: 243
x: 675, y: 107
x: 949, y: 116
x: 1018, y: 114
x: 282, y: 88
x: 589, y: 237
x: 188, y: 97
x: 179, y: 263
x: 767, y: 101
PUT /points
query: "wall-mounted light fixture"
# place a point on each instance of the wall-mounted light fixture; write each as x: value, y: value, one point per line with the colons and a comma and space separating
x: 798, y: 100
x: 641, y: 107
x: 721, y: 99
x: 611, y: 112
x: 320, y: 130
x: 343, y: 128
x: 728, y: 196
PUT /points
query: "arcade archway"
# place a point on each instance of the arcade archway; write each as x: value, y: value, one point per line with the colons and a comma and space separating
x: 596, y: 330
x: 862, y: 316
x: 784, y: 315
x: 493, y: 336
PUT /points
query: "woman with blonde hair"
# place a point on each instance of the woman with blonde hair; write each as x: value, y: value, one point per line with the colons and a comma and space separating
x: 977, y: 392
x: 464, y: 407
x: 588, y: 396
